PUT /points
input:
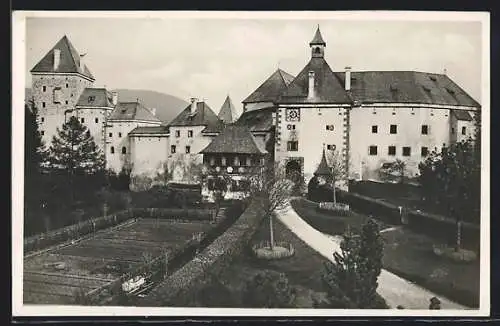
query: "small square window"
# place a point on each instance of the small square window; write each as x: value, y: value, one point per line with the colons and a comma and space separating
x: 424, y: 151
x: 394, y: 129
x: 188, y: 149
x: 406, y: 151
x: 190, y: 133
x: 425, y: 129
x: 293, y: 146
x: 464, y: 130
x: 374, y: 129
x: 373, y: 150
x: 172, y: 149
x: 392, y: 150
x: 96, y: 120
x: 177, y: 133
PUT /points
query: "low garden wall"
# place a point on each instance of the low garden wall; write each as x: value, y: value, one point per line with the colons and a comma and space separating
x: 179, y: 289
x: 430, y: 224
x: 76, y: 231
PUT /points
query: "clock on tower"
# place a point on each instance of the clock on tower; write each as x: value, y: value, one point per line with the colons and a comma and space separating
x: 293, y: 114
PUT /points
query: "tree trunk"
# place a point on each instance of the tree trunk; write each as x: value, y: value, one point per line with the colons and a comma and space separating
x: 271, y: 232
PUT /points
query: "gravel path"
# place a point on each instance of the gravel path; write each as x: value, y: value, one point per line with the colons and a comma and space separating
x: 394, y: 289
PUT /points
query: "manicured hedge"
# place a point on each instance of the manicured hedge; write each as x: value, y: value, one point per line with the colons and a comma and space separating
x: 430, y: 224
x: 180, y: 288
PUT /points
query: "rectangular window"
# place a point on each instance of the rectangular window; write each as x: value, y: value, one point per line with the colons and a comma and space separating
x: 172, y: 149
x: 373, y: 150
x: 406, y: 151
x: 394, y: 129
x: 424, y: 151
x: 177, y: 133
x: 464, y: 130
x: 190, y: 133
x: 425, y: 129
x: 188, y: 149
x: 392, y: 150
x: 293, y: 146
x: 374, y: 129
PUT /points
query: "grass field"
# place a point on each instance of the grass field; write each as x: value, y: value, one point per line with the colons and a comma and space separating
x: 94, y: 262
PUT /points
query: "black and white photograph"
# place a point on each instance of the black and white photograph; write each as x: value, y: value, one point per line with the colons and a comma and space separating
x: 250, y: 163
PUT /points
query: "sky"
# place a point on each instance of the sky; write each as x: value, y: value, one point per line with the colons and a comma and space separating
x: 212, y: 58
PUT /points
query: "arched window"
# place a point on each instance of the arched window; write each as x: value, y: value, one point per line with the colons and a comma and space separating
x: 124, y: 150
x: 112, y: 150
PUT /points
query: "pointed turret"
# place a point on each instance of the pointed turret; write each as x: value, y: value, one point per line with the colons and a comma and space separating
x: 227, y: 112
x: 323, y: 169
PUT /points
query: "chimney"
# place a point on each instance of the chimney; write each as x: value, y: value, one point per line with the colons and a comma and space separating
x: 310, y: 93
x: 347, y: 78
x: 194, y: 101
x: 57, y: 58
x: 115, y: 98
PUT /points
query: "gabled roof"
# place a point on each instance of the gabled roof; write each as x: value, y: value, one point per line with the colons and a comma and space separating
x: 149, y: 130
x: 462, y: 115
x: 323, y: 169
x: 328, y: 88
x: 69, y: 60
x: 317, y: 39
x: 234, y: 139
x: 95, y: 97
x: 132, y: 111
x: 227, y: 112
x: 204, y: 116
x: 406, y: 87
x: 257, y: 120
x: 271, y: 88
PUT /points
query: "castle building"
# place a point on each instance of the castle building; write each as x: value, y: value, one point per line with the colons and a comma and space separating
x: 364, y: 119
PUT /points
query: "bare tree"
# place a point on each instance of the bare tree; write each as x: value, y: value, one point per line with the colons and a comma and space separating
x: 336, y: 165
x: 272, y: 190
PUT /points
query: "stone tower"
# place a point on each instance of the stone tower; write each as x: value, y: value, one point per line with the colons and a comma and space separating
x: 58, y: 80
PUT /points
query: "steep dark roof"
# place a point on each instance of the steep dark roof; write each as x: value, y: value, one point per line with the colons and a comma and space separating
x: 317, y: 39
x: 328, y: 88
x: 98, y: 97
x: 149, y: 130
x: 462, y: 115
x: 204, y: 116
x: 257, y: 120
x: 323, y: 169
x: 69, y: 61
x: 234, y: 139
x: 406, y: 87
x: 132, y: 111
x: 227, y: 112
x: 271, y: 88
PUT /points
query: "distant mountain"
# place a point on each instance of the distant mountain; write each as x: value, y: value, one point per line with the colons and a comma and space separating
x: 167, y: 106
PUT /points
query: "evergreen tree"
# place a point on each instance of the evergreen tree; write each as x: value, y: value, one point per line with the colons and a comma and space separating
x: 352, y: 280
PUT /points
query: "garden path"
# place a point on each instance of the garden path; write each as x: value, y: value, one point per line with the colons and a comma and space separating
x: 394, y: 289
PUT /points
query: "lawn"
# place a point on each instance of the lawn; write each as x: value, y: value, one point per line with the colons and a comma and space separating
x: 408, y: 255
x: 304, y: 271
x: 93, y: 262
